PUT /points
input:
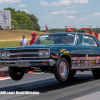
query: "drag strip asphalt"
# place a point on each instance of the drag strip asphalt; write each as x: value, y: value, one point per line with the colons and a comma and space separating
x: 49, y: 88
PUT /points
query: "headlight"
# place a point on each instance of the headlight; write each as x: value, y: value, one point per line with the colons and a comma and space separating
x: 8, y: 54
x: 46, y: 53
x: 40, y: 52
x: 43, y: 53
x: 5, y: 54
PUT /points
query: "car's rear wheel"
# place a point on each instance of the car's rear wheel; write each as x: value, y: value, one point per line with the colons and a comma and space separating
x: 96, y: 73
x: 16, y: 73
x: 61, y: 71
x: 71, y: 74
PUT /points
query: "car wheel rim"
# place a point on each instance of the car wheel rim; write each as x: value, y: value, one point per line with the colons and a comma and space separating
x: 63, y: 69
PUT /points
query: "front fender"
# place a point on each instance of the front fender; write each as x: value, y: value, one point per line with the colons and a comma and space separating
x: 68, y: 58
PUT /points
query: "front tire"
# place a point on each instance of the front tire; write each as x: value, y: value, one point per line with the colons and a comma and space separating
x: 96, y: 73
x: 71, y: 74
x: 16, y: 73
x: 61, y: 71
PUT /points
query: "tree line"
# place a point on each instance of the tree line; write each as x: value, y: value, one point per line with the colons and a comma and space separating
x: 21, y: 20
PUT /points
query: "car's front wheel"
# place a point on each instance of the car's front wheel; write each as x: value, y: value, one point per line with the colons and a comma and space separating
x: 96, y: 73
x: 16, y: 73
x: 61, y: 71
x: 71, y: 74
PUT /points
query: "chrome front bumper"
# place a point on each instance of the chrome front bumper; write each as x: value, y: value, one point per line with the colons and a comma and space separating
x: 27, y: 63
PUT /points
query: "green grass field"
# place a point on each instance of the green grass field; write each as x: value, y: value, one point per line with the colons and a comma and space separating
x: 11, y: 38
x: 9, y: 44
x: 16, y: 43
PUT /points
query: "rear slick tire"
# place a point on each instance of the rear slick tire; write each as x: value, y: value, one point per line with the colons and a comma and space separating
x: 16, y: 73
x: 61, y: 71
x: 96, y: 73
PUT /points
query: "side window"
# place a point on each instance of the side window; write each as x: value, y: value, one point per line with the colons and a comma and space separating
x: 92, y: 42
x: 79, y: 40
x: 85, y: 41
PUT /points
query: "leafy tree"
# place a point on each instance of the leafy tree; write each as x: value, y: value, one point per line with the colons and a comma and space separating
x: 14, y: 21
x: 23, y: 20
x: 11, y: 9
x: 35, y: 22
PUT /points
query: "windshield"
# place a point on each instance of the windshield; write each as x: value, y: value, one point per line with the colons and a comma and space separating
x: 56, y: 39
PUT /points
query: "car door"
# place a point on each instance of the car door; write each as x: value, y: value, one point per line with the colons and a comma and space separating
x: 97, y: 49
x: 85, y: 52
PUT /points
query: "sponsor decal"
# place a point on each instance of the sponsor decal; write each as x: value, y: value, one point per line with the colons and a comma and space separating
x: 64, y: 51
x: 78, y: 61
x: 74, y: 62
x: 98, y: 64
x: 93, y: 61
x: 97, y: 57
x: 82, y: 61
x: 93, y: 58
x: 81, y: 58
x: 44, y: 36
x: 92, y: 64
x: 90, y: 61
x: 74, y: 58
x: 86, y: 37
x: 86, y: 64
x: 89, y: 64
x: 78, y: 65
x: 97, y: 60
x: 93, y: 34
x: 90, y: 58
x: 61, y: 50
x: 86, y: 61
x: 82, y: 64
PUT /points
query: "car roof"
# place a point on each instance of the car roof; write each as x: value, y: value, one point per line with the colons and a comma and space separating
x: 66, y: 33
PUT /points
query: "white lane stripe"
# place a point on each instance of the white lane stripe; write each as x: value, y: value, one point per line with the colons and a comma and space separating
x: 5, y: 78
x: 38, y: 73
x: 92, y: 96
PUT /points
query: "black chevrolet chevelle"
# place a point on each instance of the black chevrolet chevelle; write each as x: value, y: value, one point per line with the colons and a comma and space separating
x: 59, y: 53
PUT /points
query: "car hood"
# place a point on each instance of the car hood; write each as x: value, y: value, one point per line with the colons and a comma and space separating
x: 26, y: 47
x: 53, y: 47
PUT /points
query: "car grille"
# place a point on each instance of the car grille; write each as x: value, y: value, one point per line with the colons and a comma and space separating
x: 25, y: 54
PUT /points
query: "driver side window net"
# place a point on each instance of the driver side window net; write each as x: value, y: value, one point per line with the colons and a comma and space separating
x: 83, y: 40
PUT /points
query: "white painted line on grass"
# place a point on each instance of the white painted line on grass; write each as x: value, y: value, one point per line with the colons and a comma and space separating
x: 4, y: 78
